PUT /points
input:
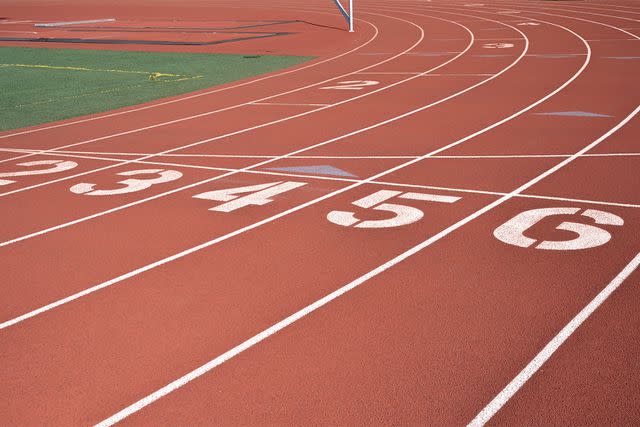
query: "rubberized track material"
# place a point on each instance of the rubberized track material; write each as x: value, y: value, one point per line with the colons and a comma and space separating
x: 434, y: 222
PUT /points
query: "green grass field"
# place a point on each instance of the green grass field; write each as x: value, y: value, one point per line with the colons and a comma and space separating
x: 43, y: 85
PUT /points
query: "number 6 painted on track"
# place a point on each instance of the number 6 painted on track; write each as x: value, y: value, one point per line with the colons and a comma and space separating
x: 404, y: 215
x: 587, y: 236
x: 130, y: 185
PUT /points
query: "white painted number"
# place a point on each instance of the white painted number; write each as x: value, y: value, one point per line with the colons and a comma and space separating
x: 498, y: 45
x: 259, y: 195
x: 352, y: 85
x: 587, y: 236
x: 58, y: 166
x: 130, y: 185
x: 528, y: 24
x: 403, y: 214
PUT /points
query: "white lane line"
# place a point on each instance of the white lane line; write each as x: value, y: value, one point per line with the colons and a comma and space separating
x: 333, y: 178
x: 174, y: 385
x: 289, y: 104
x: 205, y: 93
x: 552, y: 346
x: 18, y: 32
x: 63, y: 24
x: 14, y: 22
x: 426, y: 75
x: 339, y: 157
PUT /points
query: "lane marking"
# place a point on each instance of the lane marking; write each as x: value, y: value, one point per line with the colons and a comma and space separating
x: 14, y: 22
x: 552, y: 346
x: 203, y: 369
x: 339, y: 157
x: 289, y: 104
x: 572, y: 114
x: 426, y: 75
x: 62, y: 24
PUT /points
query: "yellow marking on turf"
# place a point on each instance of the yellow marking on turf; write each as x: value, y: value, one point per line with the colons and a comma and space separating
x: 152, y: 75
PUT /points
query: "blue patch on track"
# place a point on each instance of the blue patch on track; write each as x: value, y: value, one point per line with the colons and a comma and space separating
x: 573, y: 114
x: 317, y: 170
x: 622, y: 57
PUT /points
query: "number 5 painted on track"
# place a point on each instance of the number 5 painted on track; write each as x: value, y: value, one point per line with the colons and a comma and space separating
x: 130, y: 185
x: 587, y: 236
x: 403, y: 214
x: 352, y: 85
x: 58, y: 166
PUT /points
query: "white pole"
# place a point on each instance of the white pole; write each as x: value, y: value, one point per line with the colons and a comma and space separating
x: 351, y: 16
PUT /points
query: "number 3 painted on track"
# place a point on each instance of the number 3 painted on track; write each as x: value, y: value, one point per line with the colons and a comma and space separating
x: 130, y: 185
x: 587, y: 236
x: 404, y: 215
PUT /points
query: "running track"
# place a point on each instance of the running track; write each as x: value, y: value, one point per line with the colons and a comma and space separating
x: 470, y: 258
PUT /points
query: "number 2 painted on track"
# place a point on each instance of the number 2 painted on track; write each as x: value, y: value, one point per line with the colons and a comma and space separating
x: 352, y: 85
x: 404, y: 215
x: 259, y: 195
x: 130, y: 185
x: 57, y: 166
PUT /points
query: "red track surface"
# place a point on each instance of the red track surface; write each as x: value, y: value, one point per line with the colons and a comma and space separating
x: 151, y: 308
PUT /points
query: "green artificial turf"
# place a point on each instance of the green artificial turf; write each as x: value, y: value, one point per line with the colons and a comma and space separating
x: 42, y: 85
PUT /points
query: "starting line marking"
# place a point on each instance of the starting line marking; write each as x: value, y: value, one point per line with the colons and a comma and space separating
x: 536, y: 363
x: 318, y: 177
x: 62, y: 24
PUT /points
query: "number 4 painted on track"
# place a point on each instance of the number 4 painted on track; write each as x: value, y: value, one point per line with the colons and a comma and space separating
x: 259, y: 195
x: 403, y: 214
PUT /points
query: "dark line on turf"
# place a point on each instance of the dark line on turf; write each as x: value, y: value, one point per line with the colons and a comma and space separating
x: 136, y: 42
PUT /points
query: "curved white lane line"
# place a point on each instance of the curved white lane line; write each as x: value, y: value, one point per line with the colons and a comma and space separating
x: 317, y: 200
